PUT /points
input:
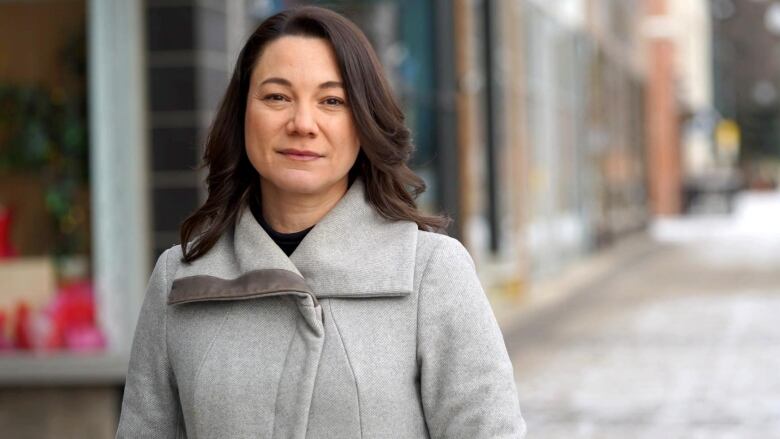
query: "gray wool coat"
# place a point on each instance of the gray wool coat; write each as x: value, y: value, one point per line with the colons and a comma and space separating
x: 370, y: 329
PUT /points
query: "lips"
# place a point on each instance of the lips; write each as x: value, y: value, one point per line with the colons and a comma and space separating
x: 299, y: 154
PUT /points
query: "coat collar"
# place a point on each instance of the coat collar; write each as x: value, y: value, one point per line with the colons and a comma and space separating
x: 352, y: 252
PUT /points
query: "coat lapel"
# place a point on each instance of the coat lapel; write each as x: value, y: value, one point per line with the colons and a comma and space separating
x: 352, y: 252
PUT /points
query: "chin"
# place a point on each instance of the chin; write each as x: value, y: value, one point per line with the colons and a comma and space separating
x: 301, y: 182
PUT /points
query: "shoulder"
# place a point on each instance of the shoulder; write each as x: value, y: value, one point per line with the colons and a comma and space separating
x: 434, y: 246
x: 443, y: 259
x: 173, y: 258
x: 170, y: 257
x: 168, y: 263
x: 448, y: 286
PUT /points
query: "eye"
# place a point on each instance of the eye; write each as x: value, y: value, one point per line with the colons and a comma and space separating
x: 333, y: 102
x: 274, y: 97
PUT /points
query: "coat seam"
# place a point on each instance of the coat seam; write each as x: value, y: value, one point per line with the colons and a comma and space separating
x: 179, y: 413
x: 419, y: 296
x: 165, y: 309
x: 349, y: 363
x: 279, y: 381
x: 206, y: 355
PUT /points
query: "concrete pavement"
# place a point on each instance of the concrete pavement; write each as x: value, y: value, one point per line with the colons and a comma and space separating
x: 682, y: 340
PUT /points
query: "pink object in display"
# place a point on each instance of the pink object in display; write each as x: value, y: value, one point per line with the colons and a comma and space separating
x: 68, y: 321
x: 84, y: 338
x: 73, y: 315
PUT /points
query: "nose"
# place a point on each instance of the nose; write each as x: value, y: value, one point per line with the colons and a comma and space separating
x: 302, y: 121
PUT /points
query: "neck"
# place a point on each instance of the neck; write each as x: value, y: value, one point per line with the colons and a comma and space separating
x: 289, y: 212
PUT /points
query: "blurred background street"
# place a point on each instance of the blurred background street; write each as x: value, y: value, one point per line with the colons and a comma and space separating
x: 679, y: 340
x: 612, y: 167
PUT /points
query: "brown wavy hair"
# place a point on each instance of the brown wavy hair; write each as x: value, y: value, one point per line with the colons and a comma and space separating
x: 391, y: 187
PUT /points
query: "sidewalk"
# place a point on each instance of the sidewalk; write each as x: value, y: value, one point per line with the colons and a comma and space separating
x: 572, y: 284
x: 668, y: 335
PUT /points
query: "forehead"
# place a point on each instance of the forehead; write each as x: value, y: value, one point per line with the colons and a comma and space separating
x: 298, y: 59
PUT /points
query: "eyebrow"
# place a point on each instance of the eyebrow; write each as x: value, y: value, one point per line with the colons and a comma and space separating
x: 286, y: 83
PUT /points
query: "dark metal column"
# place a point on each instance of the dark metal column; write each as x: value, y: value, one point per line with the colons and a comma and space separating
x: 446, y: 137
x: 492, y: 122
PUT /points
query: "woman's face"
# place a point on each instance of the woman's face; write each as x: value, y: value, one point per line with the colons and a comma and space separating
x: 298, y: 126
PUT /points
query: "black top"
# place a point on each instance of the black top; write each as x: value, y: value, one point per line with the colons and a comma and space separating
x: 288, y: 242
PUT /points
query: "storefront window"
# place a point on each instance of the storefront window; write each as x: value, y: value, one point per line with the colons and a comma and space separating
x: 46, y: 295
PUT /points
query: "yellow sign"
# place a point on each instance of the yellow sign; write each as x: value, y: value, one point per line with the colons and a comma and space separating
x: 727, y: 136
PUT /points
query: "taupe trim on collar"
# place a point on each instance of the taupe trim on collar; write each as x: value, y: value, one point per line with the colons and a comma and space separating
x: 250, y: 285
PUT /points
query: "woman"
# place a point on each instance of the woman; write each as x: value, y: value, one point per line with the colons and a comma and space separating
x: 310, y: 298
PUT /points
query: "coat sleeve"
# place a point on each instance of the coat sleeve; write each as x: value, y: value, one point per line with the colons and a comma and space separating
x: 150, y: 406
x: 466, y: 380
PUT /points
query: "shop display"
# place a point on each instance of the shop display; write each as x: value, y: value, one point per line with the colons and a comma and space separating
x: 65, y: 322
x: 46, y: 304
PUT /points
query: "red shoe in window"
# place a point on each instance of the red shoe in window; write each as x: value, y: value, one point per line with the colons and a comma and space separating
x: 6, y: 249
x: 5, y: 341
x: 21, y: 337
